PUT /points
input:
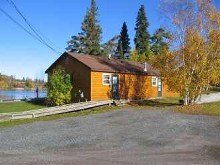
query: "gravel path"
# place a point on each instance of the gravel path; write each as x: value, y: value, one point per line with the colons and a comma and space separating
x: 207, y: 98
x: 129, y: 137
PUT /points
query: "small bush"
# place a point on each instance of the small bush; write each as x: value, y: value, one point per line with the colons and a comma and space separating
x: 59, y: 87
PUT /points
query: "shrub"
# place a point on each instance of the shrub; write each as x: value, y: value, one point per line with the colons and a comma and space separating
x: 59, y: 87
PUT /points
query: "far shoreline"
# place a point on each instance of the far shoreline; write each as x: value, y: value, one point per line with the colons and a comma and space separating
x: 22, y: 89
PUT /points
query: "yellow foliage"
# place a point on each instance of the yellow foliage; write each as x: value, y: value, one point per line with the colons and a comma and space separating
x: 195, y: 63
x: 134, y: 55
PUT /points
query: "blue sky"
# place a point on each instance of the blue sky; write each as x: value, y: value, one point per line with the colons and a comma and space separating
x: 58, y: 20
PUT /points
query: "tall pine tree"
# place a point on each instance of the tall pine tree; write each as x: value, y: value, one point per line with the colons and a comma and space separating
x: 142, y: 36
x: 123, y: 42
x: 88, y: 41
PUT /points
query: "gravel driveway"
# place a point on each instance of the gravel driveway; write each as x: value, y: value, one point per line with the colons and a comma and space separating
x: 127, y: 136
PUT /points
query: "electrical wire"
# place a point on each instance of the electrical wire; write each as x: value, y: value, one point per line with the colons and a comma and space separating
x: 32, y: 35
x: 36, y: 32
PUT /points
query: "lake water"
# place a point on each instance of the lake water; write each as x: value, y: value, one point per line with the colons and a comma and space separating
x: 20, y: 94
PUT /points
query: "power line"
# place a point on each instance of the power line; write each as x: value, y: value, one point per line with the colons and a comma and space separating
x: 22, y: 27
x: 36, y: 32
x: 17, y: 23
x: 15, y: 7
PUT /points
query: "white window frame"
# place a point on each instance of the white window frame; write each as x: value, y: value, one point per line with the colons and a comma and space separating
x: 154, y: 80
x: 103, y: 78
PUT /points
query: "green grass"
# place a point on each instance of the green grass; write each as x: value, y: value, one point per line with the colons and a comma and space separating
x: 212, y: 109
x: 18, y: 107
x: 102, y: 109
x: 172, y: 103
x: 215, y: 89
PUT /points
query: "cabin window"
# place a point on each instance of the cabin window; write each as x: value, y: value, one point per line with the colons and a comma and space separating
x: 154, y: 81
x: 106, y: 79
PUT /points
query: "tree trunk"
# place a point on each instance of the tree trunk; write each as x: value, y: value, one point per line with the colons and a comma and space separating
x: 207, y: 88
x: 200, y: 94
x: 197, y: 98
x: 186, y: 97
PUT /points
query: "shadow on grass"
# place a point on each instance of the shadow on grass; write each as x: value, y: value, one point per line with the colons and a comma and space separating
x: 40, y: 101
x: 157, y: 102
x: 215, y: 89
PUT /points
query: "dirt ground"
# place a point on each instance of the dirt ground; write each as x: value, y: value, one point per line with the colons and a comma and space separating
x: 128, y: 136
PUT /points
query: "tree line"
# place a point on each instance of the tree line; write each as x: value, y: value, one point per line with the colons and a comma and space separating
x: 88, y: 41
x: 10, y: 82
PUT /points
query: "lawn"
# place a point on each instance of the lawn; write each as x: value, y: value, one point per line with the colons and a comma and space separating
x: 173, y: 104
x: 212, y: 109
x: 18, y: 107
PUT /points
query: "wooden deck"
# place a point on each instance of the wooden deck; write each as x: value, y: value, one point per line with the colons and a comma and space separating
x: 54, y: 110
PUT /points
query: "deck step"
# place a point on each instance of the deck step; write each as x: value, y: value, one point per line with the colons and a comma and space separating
x: 120, y: 102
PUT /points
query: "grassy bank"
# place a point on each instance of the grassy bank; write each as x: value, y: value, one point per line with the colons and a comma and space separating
x: 18, y: 107
x: 212, y: 109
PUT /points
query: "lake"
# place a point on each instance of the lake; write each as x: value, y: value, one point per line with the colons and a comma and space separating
x: 20, y: 94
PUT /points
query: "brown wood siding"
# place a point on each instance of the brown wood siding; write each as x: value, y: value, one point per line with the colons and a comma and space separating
x: 98, y: 90
x: 80, y: 75
x: 131, y: 87
x: 136, y: 87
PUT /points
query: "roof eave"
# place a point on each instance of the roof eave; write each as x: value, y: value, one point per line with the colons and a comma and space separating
x: 111, y: 71
x: 52, y: 65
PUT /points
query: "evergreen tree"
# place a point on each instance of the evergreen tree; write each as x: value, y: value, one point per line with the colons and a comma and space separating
x: 88, y: 41
x: 142, y: 36
x: 110, y: 46
x: 158, y: 40
x: 123, y: 42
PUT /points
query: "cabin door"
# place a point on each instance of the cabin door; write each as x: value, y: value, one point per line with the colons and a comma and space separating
x: 115, y: 86
x: 159, y: 88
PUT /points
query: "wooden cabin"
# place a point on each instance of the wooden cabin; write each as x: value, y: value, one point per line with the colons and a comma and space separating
x: 101, y: 78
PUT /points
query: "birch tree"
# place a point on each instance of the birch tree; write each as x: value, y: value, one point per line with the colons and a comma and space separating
x: 193, y: 60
